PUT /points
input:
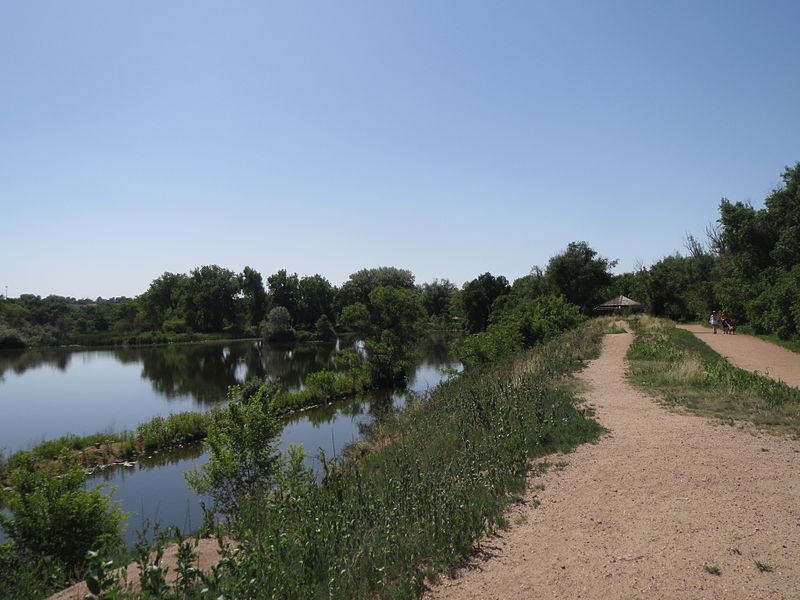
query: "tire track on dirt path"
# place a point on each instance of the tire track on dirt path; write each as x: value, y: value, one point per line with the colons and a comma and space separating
x: 752, y: 354
x: 640, y: 513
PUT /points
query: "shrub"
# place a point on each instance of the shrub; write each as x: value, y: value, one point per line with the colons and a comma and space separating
x: 52, y: 518
x: 242, y: 457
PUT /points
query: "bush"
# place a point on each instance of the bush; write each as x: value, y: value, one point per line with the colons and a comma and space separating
x: 278, y: 326
x: 54, y: 519
x: 242, y: 458
x: 519, y: 326
x: 10, y: 339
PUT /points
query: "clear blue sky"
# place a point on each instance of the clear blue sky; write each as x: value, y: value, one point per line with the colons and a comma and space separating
x: 446, y: 137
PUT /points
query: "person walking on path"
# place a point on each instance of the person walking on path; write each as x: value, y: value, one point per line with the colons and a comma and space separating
x: 725, y: 321
x: 714, y: 320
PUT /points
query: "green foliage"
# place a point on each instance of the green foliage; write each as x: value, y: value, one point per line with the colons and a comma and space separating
x: 180, y: 428
x: 477, y: 298
x: 278, y: 326
x: 580, y: 275
x: 284, y: 290
x: 254, y: 296
x: 399, y: 314
x: 211, y: 304
x: 54, y: 449
x: 242, y: 459
x: 54, y: 519
x: 520, y: 324
x: 101, y: 580
x: 355, y: 316
x: 10, y: 339
x: 438, y: 479
x: 438, y: 298
x: 324, y: 329
x: 361, y: 283
x: 315, y: 300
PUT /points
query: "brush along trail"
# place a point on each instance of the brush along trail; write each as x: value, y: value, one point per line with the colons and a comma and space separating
x: 666, y: 506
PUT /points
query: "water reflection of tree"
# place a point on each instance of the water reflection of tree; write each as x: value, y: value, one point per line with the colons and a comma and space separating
x: 20, y: 361
x: 435, y: 349
x: 205, y: 371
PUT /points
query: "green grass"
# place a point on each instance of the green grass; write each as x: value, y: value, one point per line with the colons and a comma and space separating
x: 763, y: 567
x: 684, y: 371
x: 713, y: 570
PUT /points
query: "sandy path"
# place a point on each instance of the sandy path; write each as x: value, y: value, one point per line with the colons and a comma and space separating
x: 752, y: 354
x: 639, y: 514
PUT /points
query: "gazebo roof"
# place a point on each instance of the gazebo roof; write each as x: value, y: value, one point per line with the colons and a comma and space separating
x: 618, y: 302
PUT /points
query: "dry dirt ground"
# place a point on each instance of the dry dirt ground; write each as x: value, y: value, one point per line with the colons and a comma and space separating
x: 750, y: 353
x: 643, y: 512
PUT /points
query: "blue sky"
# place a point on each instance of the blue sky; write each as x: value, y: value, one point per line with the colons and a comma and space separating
x: 448, y: 138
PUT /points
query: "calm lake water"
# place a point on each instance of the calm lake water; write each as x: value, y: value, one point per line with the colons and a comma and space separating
x: 47, y: 393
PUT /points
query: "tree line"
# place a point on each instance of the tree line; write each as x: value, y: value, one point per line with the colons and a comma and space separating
x: 749, y: 266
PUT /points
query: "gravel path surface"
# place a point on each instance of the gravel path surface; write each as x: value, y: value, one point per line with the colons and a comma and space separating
x: 643, y: 512
x: 753, y: 354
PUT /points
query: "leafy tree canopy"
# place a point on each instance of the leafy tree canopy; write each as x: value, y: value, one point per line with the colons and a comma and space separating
x: 580, y: 275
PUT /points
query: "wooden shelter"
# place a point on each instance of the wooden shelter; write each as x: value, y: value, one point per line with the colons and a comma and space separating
x: 620, y: 304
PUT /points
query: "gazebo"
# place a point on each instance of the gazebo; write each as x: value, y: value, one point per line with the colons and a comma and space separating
x: 620, y: 304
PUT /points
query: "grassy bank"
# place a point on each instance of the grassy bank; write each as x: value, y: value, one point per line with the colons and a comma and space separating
x: 683, y: 371
x: 437, y: 477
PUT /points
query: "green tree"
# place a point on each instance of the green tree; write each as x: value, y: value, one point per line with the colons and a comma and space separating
x: 315, y: 300
x: 580, y: 275
x: 783, y: 218
x: 361, y: 283
x: 284, y: 290
x: 254, y: 296
x: 242, y: 457
x: 399, y: 312
x: 437, y: 297
x: 355, y: 316
x: 478, y: 296
x: 278, y: 325
x: 164, y: 299
x: 212, y: 298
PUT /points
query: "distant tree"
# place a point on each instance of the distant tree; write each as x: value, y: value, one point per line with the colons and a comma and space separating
x: 359, y: 285
x: 783, y: 216
x: 284, y: 290
x: 355, y: 316
x: 746, y: 240
x: 165, y: 298
x: 478, y: 296
x: 580, y: 275
x: 278, y: 325
x: 315, y: 299
x: 254, y: 296
x: 399, y: 313
x: 212, y: 298
x: 324, y: 328
x: 437, y: 297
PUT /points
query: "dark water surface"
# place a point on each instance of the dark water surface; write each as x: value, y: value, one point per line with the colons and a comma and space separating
x: 47, y: 394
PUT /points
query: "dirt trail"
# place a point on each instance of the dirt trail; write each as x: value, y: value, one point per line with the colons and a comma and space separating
x: 639, y: 514
x: 752, y: 354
